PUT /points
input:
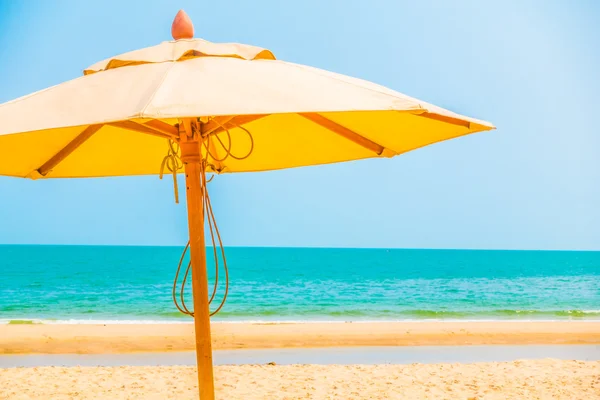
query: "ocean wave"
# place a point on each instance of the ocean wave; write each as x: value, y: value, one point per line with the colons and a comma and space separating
x: 90, y: 321
x: 275, y: 321
x: 358, y: 316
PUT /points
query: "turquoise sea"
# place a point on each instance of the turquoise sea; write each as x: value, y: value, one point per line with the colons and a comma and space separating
x: 100, y: 283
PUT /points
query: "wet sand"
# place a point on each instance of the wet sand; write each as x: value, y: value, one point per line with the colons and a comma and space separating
x: 104, y: 339
x: 372, y: 355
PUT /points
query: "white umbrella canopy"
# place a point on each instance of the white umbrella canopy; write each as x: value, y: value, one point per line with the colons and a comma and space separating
x: 297, y: 115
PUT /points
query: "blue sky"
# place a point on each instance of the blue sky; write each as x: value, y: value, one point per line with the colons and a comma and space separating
x: 531, y: 67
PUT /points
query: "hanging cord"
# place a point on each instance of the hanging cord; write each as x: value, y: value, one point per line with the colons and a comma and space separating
x: 173, y: 163
x: 227, y: 149
x: 217, y: 243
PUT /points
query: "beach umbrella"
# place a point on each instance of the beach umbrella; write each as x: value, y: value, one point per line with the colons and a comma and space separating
x: 197, y: 107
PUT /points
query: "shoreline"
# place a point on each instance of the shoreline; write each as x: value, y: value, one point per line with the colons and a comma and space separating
x: 134, y: 338
x: 188, y: 321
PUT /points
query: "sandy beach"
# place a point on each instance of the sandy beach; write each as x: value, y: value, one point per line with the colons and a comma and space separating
x: 541, y: 379
x: 102, y: 339
x: 526, y: 379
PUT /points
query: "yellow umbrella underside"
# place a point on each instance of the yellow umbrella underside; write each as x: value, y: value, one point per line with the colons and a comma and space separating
x: 117, y: 119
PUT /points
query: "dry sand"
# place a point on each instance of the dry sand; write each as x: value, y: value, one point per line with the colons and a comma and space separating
x: 102, y: 339
x: 541, y: 379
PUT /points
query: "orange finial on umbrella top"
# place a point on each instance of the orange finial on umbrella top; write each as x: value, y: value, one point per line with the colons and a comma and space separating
x: 182, y: 27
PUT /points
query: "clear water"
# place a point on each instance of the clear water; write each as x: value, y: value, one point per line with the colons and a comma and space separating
x: 99, y: 283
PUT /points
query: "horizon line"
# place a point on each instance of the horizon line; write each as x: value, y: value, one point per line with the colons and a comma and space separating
x: 299, y: 247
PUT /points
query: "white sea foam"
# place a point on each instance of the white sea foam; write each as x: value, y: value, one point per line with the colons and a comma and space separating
x: 275, y: 322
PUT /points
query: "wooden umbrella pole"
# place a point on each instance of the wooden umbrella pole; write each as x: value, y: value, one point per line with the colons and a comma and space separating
x: 190, y: 155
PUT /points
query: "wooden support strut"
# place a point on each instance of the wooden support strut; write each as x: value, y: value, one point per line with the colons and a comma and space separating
x: 344, y: 132
x: 68, y: 149
x: 190, y: 155
x: 154, y: 127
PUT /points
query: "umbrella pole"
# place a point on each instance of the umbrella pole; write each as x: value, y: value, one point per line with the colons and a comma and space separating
x: 190, y: 155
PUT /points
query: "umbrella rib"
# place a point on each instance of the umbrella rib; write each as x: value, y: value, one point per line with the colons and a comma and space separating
x: 444, y: 118
x: 163, y: 127
x: 68, y: 149
x: 344, y: 132
x: 155, y: 128
x: 218, y: 124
